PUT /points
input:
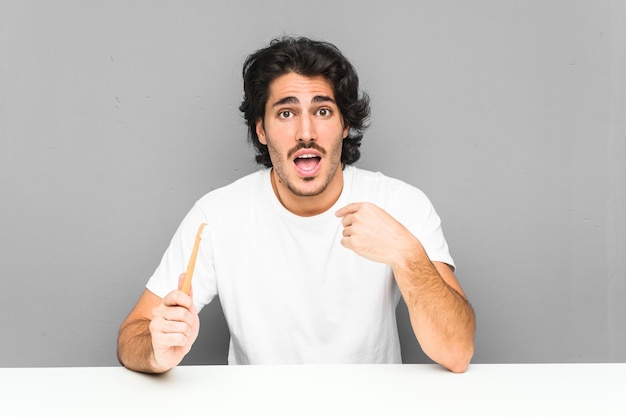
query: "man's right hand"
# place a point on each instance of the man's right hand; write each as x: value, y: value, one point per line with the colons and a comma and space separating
x: 174, y: 328
x: 158, y: 333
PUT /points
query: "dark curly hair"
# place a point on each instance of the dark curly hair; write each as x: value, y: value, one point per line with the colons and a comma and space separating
x: 309, y: 58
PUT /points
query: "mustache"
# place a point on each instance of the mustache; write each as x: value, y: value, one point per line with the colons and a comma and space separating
x: 306, y: 145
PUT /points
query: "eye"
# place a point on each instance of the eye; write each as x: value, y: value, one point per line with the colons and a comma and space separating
x: 324, y: 112
x: 285, y: 114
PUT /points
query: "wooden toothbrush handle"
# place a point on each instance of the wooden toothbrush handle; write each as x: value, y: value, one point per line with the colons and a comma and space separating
x: 186, y: 286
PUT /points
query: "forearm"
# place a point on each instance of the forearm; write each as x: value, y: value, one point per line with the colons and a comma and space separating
x: 441, y: 316
x: 134, y: 346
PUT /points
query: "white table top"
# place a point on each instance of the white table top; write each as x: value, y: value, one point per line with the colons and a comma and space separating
x: 319, y: 390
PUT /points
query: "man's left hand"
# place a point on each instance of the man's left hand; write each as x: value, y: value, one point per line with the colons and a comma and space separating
x: 373, y: 233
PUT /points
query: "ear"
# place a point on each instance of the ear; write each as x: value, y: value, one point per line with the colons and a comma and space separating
x: 260, y: 131
x: 346, y: 130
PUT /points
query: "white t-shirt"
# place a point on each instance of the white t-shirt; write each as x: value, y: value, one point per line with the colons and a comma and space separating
x: 291, y: 293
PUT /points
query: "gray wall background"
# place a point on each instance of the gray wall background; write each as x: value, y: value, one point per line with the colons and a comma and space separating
x: 511, y: 115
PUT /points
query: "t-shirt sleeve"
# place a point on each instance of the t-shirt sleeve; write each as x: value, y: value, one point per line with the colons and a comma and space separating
x: 175, y: 259
x: 425, y: 224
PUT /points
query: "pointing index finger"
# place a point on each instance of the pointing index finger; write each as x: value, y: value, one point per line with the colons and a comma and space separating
x: 350, y: 208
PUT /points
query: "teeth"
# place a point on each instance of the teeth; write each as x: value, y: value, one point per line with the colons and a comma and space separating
x: 306, y: 156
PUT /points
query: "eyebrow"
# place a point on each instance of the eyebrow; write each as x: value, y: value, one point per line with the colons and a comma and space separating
x: 294, y: 100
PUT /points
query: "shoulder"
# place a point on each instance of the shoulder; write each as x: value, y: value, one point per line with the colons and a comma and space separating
x: 242, y: 192
x: 247, y: 184
x: 405, y: 202
x: 378, y: 186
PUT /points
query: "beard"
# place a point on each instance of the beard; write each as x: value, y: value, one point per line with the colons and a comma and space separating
x: 314, y: 192
x: 281, y: 166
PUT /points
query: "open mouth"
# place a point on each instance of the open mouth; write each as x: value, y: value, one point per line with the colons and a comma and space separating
x: 307, y: 159
x: 307, y: 162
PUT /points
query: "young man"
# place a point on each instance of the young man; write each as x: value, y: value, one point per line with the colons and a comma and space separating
x: 309, y: 255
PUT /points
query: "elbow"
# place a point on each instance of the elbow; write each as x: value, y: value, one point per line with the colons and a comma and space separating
x: 459, y: 367
x: 459, y: 362
x: 455, y: 359
x: 460, y: 355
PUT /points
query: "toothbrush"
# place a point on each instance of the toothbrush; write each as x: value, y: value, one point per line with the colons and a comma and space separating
x: 186, y: 285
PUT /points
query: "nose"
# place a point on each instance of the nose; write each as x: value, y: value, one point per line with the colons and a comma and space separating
x: 306, y: 130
